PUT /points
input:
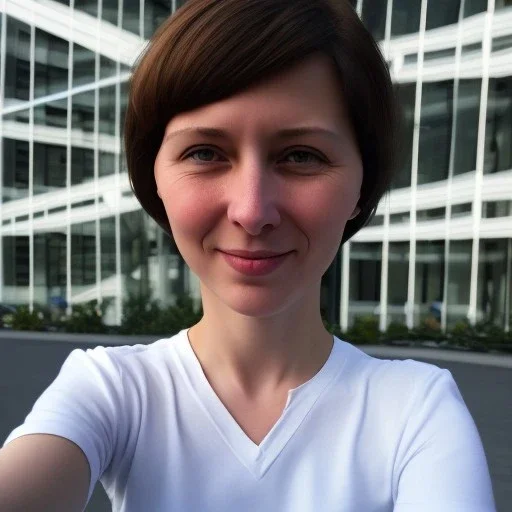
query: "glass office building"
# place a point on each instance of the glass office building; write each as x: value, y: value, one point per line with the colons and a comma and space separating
x: 439, y: 248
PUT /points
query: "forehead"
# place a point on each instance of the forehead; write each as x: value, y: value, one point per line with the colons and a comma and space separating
x: 309, y: 93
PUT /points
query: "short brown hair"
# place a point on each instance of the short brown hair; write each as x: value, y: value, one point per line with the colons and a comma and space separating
x: 212, y: 49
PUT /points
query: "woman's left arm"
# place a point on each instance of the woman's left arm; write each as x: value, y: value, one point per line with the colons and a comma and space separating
x: 441, y: 464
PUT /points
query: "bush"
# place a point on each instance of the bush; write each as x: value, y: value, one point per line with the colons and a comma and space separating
x: 364, y: 331
x: 25, y: 320
x: 396, y: 331
x: 86, y: 318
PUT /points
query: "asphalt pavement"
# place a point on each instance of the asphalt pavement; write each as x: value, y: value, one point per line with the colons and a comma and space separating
x: 29, y: 363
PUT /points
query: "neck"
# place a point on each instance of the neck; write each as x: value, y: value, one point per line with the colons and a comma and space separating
x: 257, y: 354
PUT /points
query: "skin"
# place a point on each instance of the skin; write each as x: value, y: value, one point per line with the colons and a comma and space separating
x: 244, y: 185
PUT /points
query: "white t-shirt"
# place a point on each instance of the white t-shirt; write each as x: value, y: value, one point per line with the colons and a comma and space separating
x: 363, y: 435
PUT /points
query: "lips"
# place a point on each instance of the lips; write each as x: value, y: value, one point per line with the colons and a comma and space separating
x: 254, y: 263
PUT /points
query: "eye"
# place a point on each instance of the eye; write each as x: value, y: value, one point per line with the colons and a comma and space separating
x: 203, y: 155
x: 301, y: 156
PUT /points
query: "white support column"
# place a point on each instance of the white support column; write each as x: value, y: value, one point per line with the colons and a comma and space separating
x: 448, y: 214
x: 480, y: 159
x: 414, y: 171
x: 31, y: 166
x: 3, y: 44
x: 68, y: 169
x: 345, y: 282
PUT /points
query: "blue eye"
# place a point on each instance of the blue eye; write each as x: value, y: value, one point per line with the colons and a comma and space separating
x: 302, y: 157
x: 202, y: 155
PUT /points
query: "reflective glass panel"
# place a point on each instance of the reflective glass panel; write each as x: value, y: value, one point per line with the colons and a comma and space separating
x: 83, y: 259
x: 50, y: 270
x: 364, y: 283
x: 87, y: 6
x: 472, y: 7
x: 17, y: 61
x: 442, y: 12
x: 51, y: 64
x: 406, y: 17
x: 374, y: 17
x: 459, y: 280
x: 398, y: 279
x: 107, y: 163
x: 107, y: 67
x: 83, y: 113
x: 435, y: 131
x: 429, y: 283
x: 107, y: 106
x: 466, y: 135
x: 83, y: 65
x: 131, y: 15
x: 492, y: 281
x: 82, y: 165
x: 16, y: 269
x: 155, y: 13
x: 15, y: 169
x: 49, y: 167
x: 407, y: 97
x: 109, y: 11
x: 498, y: 134
x: 503, y: 4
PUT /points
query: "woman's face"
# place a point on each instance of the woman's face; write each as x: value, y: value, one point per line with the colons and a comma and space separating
x: 258, y: 188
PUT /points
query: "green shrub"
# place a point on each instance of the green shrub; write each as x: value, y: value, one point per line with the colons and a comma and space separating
x: 25, y: 320
x: 396, y: 331
x: 364, y: 331
x: 86, y: 318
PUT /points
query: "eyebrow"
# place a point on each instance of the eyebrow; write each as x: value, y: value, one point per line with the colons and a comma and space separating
x: 286, y: 133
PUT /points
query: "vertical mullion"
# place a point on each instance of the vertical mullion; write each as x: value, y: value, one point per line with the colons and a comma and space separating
x: 31, y: 166
x: 414, y: 170
x: 96, y: 162
x: 480, y: 158
x: 3, y: 39
x: 118, y: 153
x: 68, y: 165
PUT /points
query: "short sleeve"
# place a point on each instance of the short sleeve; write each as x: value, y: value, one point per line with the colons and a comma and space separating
x: 441, y: 463
x: 82, y: 404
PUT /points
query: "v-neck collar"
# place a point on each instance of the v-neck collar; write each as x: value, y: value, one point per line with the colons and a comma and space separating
x: 256, y: 458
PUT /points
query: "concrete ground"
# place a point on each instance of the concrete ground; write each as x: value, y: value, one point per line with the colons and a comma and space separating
x: 29, y: 362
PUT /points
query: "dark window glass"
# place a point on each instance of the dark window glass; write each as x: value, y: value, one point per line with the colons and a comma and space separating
x: 459, y: 280
x: 461, y: 210
x: 492, y: 282
x: 109, y: 11
x: 494, y: 209
x: 83, y: 112
x: 435, y: 131
x: 49, y: 167
x: 407, y: 97
x: 442, y: 12
x: 474, y: 7
x: 498, y: 133
x: 17, y: 61
x: 87, y: 6
x: 13, y: 120
x: 15, y: 169
x: 406, y: 17
x: 83, y: 256
x: 82, y: 165
x: 107, y: 163
x: 399, y: 218
x: 83, y: 65
x: 503, y: 4
x: 431, y: 214
x: 155, y: 13
x: 16, y: 267
x: 429, y: 283
x: 52, y: 114
x: 131, y: 15
x: 108, y: 247
x: 50, y: 270
x: 398, y: 278
x: 466, y: 136
x: 51, y: 64
x: 374, y: 17
x: 107, y: 67
x: 107, y: 106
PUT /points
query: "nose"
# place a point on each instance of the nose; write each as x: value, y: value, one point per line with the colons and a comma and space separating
x: 253, y: 198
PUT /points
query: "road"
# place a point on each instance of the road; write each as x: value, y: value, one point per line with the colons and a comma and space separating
x: 28, y: 367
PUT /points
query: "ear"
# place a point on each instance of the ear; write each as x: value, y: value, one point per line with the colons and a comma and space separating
x: 355, y: 213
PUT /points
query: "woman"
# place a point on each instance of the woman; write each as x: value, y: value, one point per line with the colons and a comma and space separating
x: 260, y: 135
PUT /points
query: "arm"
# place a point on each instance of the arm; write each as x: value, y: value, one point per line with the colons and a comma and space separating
x: 441, y: 463
x: 42, y: 472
